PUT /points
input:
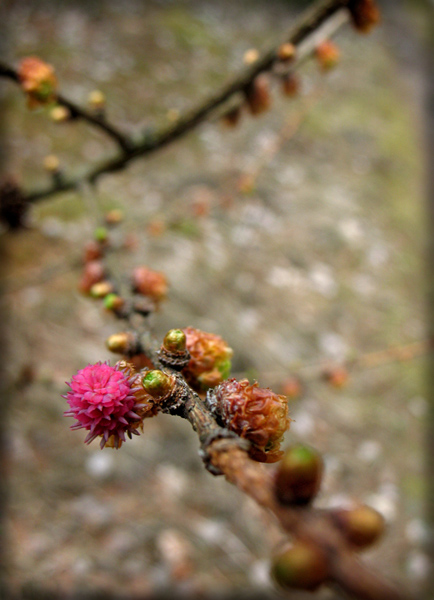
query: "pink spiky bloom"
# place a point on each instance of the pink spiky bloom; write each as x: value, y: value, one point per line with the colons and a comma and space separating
x: 103, y: 399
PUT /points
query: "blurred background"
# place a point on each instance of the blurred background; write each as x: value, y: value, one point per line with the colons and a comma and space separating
x: 299, y: 237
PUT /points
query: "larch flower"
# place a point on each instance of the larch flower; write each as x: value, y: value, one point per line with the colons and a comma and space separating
x: 108, y: 402
x: 256, y: 414
x: 38, y: 81
x: 152, y: 284
x: 210, y: 359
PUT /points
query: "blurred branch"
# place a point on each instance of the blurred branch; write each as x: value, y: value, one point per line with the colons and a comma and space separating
x: 77, y: 112
x: 306, y: 27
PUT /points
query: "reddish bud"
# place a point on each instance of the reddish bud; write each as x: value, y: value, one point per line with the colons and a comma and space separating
x: 93, y: 272
x: 337, y: 377
x: 210, y: 359
x: 327, y: 54
x: 362, y: 526
x: 365, y: 14
x: 298, y: 477
x: 150, y: 283
x: 258, y: 97
x: 92, y: 251
x: 254, y: 413
x: 38, y: 81
x: 290, y: 85
x: 302, y: 566
x: 292, y: 388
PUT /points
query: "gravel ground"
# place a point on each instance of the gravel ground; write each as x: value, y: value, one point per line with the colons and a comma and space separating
x: 319, y: 263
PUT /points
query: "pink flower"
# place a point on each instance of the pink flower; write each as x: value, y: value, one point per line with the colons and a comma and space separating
x: 103, y: 400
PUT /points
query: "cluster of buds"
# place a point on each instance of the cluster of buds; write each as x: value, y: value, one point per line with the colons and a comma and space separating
x: 210, y: 359
x: 296, y: 483
x: 38, y: 81
x: 109, y: 402
x: 253, y: 413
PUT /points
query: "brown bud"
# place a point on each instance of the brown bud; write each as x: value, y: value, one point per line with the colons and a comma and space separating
x: 97, y: 100
x: 327, y: 54
x: 292, y: 388
x: 93, y: 272
x: 302, y: 566
x: 149, y: 283
x: 92, y: 251
x: 365, y: 14
x: 51, y: 163
x: 298, y: 477
x: 362, y: 526
x: 258, y: 97
x: 286, y: 52
x: 256, y: 414
x: 290, y: 85
x: 232, y: 117
x: 336, y: 376
x: 114, y: 217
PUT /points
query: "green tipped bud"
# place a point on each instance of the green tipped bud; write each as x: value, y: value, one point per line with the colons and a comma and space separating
x: 362, y: 526
x: 113, y: 302
x: 175, y: 340
x: 101, y: 234
x: 303, y: 566
x: 158, y: 384
x: 298, y: 477
x: 101, y: 289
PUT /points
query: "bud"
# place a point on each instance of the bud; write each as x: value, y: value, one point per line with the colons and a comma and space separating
x: 337, y: 377
x: 232, y: 117
x: 250, y: 56
x: 365, y: 14
x: 256, y: 414
x: 101, y: 289
x: 175, y: 341
x: 302, y: 566
x: 149, y: 283
x: 210, y: 359
x: 327, y: 54
x: 298, y: 477
x: 38, y: 81
x: 93, y: 272
x: 290, y: 85
x: 257, y: 95
x: 292, y: 388
x: 286, y: 52
x: 362, y: 526
x: 113, y: 302
x: 51, y: 164
x: 60, y: 114
x: 114, y: 217
x: 101, y: 235
x: 122, y: 343
x: 96, y: 100
x: 92, y: 251
x: 158, y: 384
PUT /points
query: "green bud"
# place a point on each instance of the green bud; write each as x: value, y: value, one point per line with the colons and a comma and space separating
x: 298, y: 477
x: 175, y: 341
x: 113, y: 302
x: 101, y: 234
x: 302, y: 566
x: 157, y: 383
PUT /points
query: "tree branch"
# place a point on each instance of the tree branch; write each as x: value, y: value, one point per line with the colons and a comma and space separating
x: 307, y: 25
